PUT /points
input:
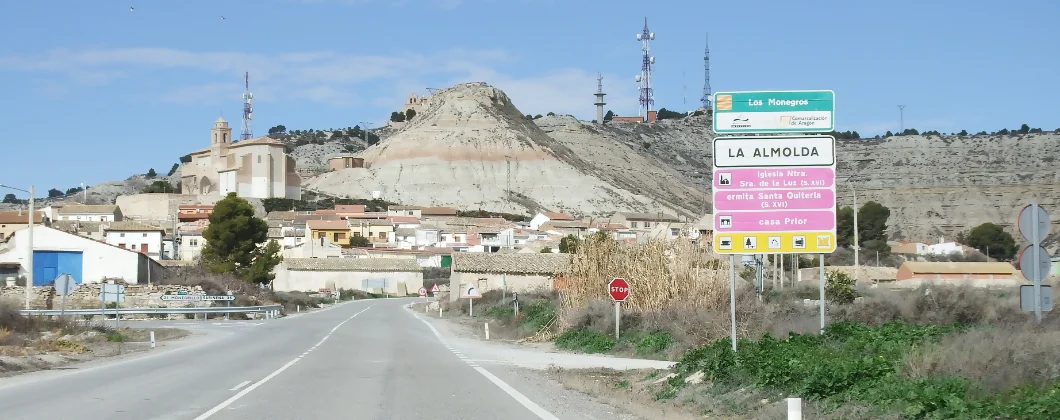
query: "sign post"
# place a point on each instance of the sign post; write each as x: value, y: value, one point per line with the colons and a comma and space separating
x: 423, y: 294
x: 64, y: 285
x: 774, y: 194
x: 795, y: 111
x: 434, y: 291
x: 1034, y: 260
x: 471, y: 293
x: 618, y: 288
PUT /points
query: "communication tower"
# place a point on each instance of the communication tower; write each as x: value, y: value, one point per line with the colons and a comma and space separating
x: 707, y: 98
x: 248, y: 110
x: 647, y: 98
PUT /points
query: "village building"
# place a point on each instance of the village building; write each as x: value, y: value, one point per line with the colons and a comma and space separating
x: 255, y: 168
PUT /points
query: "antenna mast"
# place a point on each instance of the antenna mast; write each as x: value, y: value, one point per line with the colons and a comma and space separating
x: 707, y: 94
x: 248, y: 110
x: 647, y: 98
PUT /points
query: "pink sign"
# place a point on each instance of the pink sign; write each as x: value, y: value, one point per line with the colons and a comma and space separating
x: 799, y: 177
x: 807, y: 199
x: 774, y: 221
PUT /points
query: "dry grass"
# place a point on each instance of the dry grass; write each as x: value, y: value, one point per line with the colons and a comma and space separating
x: 999, y: 358
x: 660, y: 273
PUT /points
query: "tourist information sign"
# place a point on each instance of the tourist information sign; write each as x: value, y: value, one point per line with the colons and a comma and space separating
x: 774, y: 195
x: 795, y: 111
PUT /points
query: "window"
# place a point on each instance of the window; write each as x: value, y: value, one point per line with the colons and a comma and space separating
x: 633, y: 225
x: 121, y: 245
x: 340, y: 236
x: 675, y: 231
x: 409, y: 213
x: 259, y: 158
x: 193, y: 242
x: 121, y: 235
x: 647, y: 225
x: 145, y: 235
x: 322, y: 235
x: 357, y: 234
x: 382, y: 235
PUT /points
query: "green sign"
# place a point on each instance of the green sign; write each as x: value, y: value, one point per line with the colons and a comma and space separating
x: 796, y: 111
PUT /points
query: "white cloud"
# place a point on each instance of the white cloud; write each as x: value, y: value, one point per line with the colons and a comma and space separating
x: 319, y: 76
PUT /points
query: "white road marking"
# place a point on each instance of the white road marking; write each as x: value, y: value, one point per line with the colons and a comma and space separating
x: 518, y: 396
x: 241, y: 384
x: 248, y: 389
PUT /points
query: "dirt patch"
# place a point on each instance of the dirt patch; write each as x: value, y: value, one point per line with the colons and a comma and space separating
x: 54, y: 351
x: 625, y: 390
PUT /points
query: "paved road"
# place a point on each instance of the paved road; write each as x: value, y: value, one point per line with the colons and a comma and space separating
x: 371, y: 359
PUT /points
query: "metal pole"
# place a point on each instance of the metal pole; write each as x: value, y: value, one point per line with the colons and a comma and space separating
x: 29, y: 257
x: 732, y: 298
x: 618, y: 318
x: 1036, y: 242
x: 857, y: 239
x: 822, y: 293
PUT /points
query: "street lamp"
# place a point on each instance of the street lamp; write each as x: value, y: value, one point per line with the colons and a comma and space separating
x: 29, y: 240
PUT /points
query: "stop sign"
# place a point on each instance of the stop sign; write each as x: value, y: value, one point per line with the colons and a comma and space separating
x: 618, y: 289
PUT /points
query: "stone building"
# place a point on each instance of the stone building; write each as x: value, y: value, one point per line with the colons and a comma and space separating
x: 254, y: 168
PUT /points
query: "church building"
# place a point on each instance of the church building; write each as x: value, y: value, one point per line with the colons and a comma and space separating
x: 254, y: 168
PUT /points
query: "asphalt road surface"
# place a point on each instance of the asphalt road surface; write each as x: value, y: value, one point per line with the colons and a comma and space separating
x: 371, y: 359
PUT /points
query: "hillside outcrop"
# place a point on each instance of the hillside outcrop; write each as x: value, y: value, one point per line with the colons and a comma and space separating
x: 472, y: 143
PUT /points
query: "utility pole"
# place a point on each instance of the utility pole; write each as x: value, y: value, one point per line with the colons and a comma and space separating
x: 28, y: 263
x: 901, y: 119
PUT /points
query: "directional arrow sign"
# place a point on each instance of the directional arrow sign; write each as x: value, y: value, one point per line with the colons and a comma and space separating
x: 196, y: 297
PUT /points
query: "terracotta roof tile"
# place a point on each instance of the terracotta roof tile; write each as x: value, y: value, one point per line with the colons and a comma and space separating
x: 132, y: 227
x: 529, y: 263
x: 88, y: 209
x: 14, y: 218
x: 353, y: 264
x: 327, y: 225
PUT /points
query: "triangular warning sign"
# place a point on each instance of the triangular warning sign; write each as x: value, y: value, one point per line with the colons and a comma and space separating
x: 436, y: 289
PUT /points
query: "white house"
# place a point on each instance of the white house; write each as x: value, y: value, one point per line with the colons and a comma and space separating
x: 191, y: 243
x: 136, y: 236
x: 88, y: 261
x: 942, y: 248
x: 90, y: 212
x: 543, y: 217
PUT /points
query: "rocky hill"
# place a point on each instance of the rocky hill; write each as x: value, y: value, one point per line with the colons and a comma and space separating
x: 934, y: 185
x: 465, y: 149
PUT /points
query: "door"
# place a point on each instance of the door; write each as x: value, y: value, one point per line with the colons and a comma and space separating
x: 447, y: 260
x: 47, y: 265
x: 143, y: 248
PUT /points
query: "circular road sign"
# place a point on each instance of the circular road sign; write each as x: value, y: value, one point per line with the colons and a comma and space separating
x: 423, y: 291
x: 1026, y: 263
x: 618, y: 289
x: 1026, y: 223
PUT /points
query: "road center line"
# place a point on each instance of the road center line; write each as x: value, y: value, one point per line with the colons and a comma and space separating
x: 541, y: 413
x: 241, y: 384
x: 247, y: 390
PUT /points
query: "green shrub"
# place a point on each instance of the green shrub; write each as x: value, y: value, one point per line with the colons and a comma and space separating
x: 585, y: 340
x: 839, y: 288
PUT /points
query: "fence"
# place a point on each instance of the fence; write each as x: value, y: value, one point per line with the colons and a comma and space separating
x: 270, y: 311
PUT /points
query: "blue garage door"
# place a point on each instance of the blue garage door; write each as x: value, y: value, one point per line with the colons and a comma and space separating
x: 47, y: 265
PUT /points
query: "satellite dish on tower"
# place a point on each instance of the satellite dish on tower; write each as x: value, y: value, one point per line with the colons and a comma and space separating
x: 651, y: 35
x: 250, y: 116
x: 638, y: 37
x: 637, y: 78
x: 376, y: 194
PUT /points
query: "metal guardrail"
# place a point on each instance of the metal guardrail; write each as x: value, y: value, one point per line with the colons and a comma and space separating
x: 270, y: 311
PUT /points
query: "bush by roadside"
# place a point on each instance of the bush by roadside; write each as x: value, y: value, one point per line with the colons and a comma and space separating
x: 537, y: 312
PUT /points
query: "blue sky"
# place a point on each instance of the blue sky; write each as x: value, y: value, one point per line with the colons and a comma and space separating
x: 96, y: 92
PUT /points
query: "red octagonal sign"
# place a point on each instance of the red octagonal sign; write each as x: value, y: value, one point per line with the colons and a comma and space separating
x: 618, y: 289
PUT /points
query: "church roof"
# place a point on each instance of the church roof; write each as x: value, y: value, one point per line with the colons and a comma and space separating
x: 257, y: 141
x: 220, y: 120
